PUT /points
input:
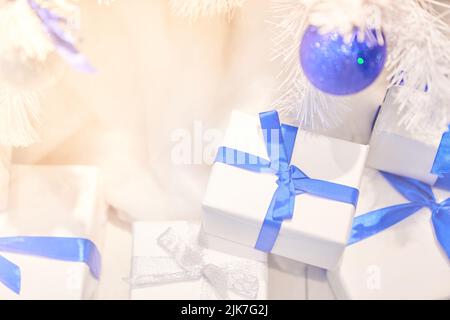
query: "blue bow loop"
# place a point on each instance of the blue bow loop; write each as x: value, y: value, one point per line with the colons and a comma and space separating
x: 420, y: 196
x: 286, y: 192
x: 283, y: 203
x: 279, y: 141
x: 441, y: 222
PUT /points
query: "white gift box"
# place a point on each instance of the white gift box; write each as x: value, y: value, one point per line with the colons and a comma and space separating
x: 393, y: 145
x: 156, y: 274
x: 236, y: 200
x: 53, y: 201
x: 401, y: 262
x: 5, y: 167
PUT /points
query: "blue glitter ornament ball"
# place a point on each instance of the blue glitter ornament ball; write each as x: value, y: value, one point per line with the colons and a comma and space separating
x: 336, y: 67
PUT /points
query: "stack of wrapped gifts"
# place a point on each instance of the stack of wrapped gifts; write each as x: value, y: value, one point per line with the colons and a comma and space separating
x: 356, y: 221
x: 351, y: 221
x: 369, y: 221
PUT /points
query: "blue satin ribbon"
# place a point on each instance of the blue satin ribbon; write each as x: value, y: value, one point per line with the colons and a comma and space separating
x: 419, y: 195
x: 441, y: 164
x: 64, y: 249
x: 279, y: 140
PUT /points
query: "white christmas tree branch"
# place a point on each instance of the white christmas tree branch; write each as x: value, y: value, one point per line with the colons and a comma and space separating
x: 19, y: 116
x: 419, y: 62
x: 297, y: 97
x: 418, y: 46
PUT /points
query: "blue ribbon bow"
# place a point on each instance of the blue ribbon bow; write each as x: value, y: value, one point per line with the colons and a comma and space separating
x: 65, y: 249
x: 419, y: 195
x: 279, y: 140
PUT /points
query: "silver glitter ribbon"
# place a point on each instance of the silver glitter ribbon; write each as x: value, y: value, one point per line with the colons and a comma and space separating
x: 186, y: 262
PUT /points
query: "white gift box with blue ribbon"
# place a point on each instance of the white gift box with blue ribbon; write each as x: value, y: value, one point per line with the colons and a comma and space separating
x: 416, y: 152
x: 293, y: 195
x: 400, y: 242
x: 51, y: 232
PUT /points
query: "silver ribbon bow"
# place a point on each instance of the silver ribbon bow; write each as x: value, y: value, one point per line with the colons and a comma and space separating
x: 187, y: 262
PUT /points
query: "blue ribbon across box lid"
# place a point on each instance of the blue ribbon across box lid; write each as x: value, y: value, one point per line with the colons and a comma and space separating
x: 419, y: 152
x: 400, y: 242
x: 284, y: 190
x: 51, y: 232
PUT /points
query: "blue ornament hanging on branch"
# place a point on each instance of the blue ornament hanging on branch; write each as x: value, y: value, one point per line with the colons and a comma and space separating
x: 339, y: 67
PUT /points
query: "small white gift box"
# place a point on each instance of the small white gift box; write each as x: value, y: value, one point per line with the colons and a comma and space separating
x: 236, y: 200
x: 404, y: 261
x: 402, y: 150
x: 170, y: 262
x: 5, y: 167
x: 53, y: 201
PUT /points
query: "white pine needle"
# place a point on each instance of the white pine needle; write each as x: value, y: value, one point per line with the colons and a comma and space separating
x: 22, y: 33
x: 344, y: 15
x: 193, y: 9
x: 19, y: 116
x: 420, y: 59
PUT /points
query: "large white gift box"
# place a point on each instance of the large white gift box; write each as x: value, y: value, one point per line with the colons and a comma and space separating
x: 236, y: 201
x: 170, y: 262
x: 404, y: 261
x: 400, y: 149
x: 53, y: 201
